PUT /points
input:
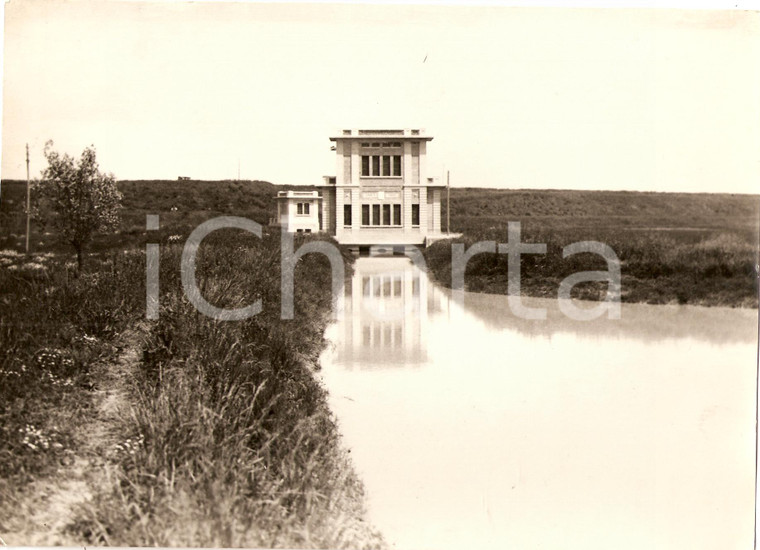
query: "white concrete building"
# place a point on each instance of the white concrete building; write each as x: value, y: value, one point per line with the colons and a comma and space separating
x: 299, y: 211
x: 381, y: 193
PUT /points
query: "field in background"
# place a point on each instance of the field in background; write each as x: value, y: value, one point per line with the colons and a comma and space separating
x: 181, y: 206
x: 474, y: 209
x: 674, y: 247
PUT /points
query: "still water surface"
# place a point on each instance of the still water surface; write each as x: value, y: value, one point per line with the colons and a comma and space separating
x: 474, y: 429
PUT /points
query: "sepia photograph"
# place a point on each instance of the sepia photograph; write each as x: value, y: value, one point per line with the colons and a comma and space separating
x: 379, y: 275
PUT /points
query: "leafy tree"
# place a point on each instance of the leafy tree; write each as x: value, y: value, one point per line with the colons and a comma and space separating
x: 82, y: 200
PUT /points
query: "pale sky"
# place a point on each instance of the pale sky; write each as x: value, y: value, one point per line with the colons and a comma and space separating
x: 636, y: 99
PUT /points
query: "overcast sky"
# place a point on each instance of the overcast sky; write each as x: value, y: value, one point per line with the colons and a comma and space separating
x: 663, y: 100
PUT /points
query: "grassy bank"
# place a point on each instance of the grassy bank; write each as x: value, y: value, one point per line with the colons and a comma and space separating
x: 674, y: 248
x: 182, y: 431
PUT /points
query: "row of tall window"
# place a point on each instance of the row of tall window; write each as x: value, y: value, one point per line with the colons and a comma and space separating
x: 381, y: 165
x: 377, y: 144
x: 380, y: 214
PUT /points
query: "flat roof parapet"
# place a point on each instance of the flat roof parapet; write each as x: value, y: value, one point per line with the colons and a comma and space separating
x: 298, y: 194
x: 381, y: 132
x: 407, y: 133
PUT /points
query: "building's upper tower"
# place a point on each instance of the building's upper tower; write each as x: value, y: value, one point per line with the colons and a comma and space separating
x: 380, y: 157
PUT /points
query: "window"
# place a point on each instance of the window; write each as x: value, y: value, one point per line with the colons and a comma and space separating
x: 302, y: 208
x: 346, y: 214
x: 381, y: 165
x: 376, y: 144
x: 381, y: 214
x: 415, y: 214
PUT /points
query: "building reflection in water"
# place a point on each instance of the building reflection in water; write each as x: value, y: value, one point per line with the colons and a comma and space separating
x: 387, y: 306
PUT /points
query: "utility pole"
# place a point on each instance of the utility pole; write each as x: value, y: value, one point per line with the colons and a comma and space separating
x: 448, y: 204
x: 28, y: 199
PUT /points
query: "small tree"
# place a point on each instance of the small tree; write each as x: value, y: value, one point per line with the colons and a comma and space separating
x: 82, y: 200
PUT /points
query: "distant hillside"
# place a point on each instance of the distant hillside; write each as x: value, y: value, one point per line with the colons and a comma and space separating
x: 182, y: 204
x: 473, y: 209
x: 221, y: 196
x: 476, y: 208
x: 196, y: 201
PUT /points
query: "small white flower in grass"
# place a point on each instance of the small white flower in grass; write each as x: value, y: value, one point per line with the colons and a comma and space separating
x: 34, y: 438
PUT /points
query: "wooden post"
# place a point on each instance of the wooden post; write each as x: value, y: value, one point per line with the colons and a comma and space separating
x: 448, y: 204
x: 28, y: 199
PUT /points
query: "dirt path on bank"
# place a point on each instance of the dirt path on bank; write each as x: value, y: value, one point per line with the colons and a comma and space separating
x: 46, y: 510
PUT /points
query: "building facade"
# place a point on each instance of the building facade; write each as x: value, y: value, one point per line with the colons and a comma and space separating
x: 381, y: 193
x: 299, y: 211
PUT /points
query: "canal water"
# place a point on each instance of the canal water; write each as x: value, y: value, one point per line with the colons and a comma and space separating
x: 472, y: 428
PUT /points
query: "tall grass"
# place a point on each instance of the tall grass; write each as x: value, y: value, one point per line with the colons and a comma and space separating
x: 225, y: 437
x: 711, y: 267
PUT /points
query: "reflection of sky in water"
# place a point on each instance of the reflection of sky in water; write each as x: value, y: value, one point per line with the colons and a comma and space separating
x: 637, y: 433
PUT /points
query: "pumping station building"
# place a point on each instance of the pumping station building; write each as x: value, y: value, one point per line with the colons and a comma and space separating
x: 380, y: 194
